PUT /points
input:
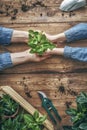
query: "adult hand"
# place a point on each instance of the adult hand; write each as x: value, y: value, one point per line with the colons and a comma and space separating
x: 57, y: 38
x: 26, y: 56
x: 32, y: 57
x: 55, y: 51
x: 52, y: 38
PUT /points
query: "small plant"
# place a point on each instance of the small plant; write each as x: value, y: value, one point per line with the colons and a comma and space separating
x: 14, y: 124
x: 79, y: 115
x: 38, y: 42
x: 34, y: 122
x: 8, y: 106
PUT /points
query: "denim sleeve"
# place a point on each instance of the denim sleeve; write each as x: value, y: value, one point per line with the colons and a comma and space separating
x: 78, y: 32
x: 5, y: 35
x: 76, y: 53
x: 5, y: 61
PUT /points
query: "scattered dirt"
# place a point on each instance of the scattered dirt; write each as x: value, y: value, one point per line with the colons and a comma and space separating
x: 71, y: 92
x: 68, y: 104
x: 68, y: 91
x: 61, y: 89
x: 27, y: 92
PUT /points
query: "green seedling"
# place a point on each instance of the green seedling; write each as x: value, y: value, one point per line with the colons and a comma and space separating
x: 8, y: 106
x: 79, y: 114
x: 38, y: 42
x: 34, y: 122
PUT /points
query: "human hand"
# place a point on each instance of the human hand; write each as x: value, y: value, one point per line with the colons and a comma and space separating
x: 55, y: 51
x: 32, y: 57
x: 19, y: 36
x: 26, y: 56
x: 50, y: 37
x: 57, y: 38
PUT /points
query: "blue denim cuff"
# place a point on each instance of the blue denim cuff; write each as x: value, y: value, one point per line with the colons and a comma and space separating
x: 5, y: 61
x: 5, y: 36
x: 67, y: 51
x: 78, y: 32
x: 76, y: 53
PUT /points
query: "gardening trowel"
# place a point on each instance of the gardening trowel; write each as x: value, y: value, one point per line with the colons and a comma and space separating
x: 70, y: 5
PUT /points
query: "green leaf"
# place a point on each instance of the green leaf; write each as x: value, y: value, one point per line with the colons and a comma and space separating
x: 83, y: 126
x: 42, y: 119
x: 39, y: 36
x: 28, y: 118
x: 31, y: 32
x: 9, y: 106
x: 37, y: 128
x: 82, y: 98
x: 71, y: 111
x: 39, y: 43
x: 67, y: 127
x: 36, y: 115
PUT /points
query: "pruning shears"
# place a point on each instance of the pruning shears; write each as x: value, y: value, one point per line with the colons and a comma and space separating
x: 49, y: 107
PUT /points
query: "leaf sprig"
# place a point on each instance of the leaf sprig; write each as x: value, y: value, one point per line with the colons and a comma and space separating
x: 79, y: 114
x: 39, y: 42
x: 7, y: 105
x: 34, y: 122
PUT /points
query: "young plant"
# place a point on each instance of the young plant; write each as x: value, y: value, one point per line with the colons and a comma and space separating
x: 8, y: 106
x: 34, y: 122
x: 38, y: 42
x: 14, y: 124
x: 79, y: 115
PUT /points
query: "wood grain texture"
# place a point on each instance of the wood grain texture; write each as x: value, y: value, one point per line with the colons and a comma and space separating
x: 49, y: 83
x: 38, y: 2
x: 16, y: 12
x: 54, y: 73
x: 42, y: 14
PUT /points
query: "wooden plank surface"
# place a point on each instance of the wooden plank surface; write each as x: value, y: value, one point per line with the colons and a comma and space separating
x: 54, y: 73
x: 42, y: 14
x: 73, y: 84
x: 12, y: 12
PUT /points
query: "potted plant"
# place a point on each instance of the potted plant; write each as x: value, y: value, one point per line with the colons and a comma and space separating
x: 34, y: 122
x: 8, y: 107
x: 38, y: 42
x: 14, y: 124
x: 79, y: 114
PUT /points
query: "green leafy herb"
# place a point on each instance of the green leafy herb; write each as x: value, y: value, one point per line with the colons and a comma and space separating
x: 14, y: 124
x: 38, y: 42
x: 7, y: 105
x: 34, y: 122
x: 79, y: 115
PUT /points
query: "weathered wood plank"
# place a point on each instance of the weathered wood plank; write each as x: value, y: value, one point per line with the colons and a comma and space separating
x: 39, y: 15
x: 73, y: 84
x: 51, y: 28
x: 54, y: 64
x: 33, y: 2
x: 49, y: 83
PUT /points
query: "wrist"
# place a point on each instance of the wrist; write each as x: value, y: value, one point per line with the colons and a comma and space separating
x: 58, y: 51
x: 20, y: 57
x: 19, y: 36
x: 57, y: 37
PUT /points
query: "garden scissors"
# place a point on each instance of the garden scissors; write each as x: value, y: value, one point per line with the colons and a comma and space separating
x: 49, y: 107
